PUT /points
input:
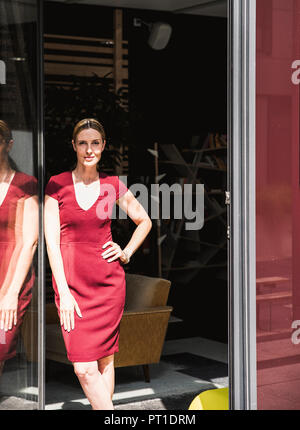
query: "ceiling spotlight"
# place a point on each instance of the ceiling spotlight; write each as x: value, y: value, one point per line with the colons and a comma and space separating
x: 160, y: 33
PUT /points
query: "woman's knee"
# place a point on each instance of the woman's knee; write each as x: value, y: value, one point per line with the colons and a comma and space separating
x: 85, y: 371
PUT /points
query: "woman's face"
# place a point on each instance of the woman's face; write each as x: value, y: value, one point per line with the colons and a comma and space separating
x: 88, y: 147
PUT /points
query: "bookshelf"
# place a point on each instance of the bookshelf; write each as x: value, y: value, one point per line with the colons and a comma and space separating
x: 183, y: 252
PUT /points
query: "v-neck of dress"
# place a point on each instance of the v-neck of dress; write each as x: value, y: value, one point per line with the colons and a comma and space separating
x: 8, y: 188
x: 74, y: 190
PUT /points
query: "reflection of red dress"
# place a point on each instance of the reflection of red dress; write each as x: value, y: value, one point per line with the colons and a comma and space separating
x: 97, y: 285
x: 21, y: 187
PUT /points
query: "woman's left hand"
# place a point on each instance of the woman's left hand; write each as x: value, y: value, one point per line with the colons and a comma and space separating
x: 114, y: 252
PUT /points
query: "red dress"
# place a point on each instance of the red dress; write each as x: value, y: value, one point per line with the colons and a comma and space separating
x: 21, y: 187
x: 97, y: 285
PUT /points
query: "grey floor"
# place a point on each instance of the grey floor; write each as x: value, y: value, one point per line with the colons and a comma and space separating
x: 187, y: 367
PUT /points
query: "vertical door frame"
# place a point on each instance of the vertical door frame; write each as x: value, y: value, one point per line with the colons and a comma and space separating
x: 241, y: 216
x: 41, y: 169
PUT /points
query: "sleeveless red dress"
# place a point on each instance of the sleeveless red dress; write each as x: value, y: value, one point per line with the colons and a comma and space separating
x: 97, y: 285
x: 21, y: 187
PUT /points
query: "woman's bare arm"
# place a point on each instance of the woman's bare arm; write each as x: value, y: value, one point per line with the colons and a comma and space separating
x: 26, y: 232
x: 30, y: 231
x: 129, y: 204
x: 52, y: 236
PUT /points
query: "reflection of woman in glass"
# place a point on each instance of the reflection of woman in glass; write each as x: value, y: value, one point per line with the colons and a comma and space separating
x: 18, y: 241
x: 88, y: 277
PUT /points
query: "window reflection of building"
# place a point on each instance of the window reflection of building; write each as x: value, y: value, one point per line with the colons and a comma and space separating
x: 18, y: 202
x: 277, y: 221
x: 18, y: 241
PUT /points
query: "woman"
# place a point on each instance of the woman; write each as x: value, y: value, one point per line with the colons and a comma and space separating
x: 88, y: 277
x: 18, y: 241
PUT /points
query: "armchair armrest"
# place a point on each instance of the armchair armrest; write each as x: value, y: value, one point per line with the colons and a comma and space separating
x: 149, y: 310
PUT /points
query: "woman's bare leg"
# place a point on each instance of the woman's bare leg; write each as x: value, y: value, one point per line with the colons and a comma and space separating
x: 93, y: 385
x: 107, y: 369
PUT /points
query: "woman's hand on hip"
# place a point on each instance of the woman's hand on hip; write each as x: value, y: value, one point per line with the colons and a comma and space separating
x: 67, y: 306
x: 113, y: 252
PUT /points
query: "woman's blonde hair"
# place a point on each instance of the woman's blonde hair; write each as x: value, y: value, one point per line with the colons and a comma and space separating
x: 88, y: 123
x: 5, y: 131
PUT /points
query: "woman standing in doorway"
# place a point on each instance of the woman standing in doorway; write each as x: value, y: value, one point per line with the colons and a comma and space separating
x: 18, y: 242
x: 88, y: 277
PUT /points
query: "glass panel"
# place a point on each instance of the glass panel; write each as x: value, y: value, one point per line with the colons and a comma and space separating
x: 146, y: 101
x: 278, y: 270
x: 18, y: 205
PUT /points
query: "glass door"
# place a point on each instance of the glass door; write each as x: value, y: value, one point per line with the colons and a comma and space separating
x: 20, y: 173
x: 264, y: 207
x: 277, y: 197
x: 169, y: 120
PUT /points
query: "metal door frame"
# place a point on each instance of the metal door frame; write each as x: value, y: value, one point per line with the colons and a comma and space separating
x: 241, y: 210
x: 41, y: 173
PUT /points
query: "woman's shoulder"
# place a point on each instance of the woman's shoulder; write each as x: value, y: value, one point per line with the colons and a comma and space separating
x: 25, y: 177
x: 26, y: 183
x: 118, y: 182
x: 105, y: 178
x: 57, y: 183
x: 60, y: 178
x: 113, y: 179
